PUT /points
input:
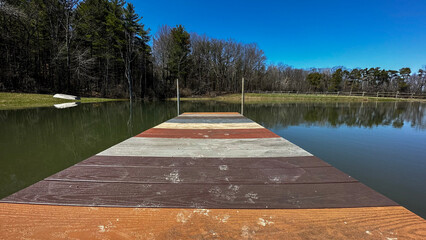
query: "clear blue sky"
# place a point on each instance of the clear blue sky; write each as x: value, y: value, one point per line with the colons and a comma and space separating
x: 387, y: 33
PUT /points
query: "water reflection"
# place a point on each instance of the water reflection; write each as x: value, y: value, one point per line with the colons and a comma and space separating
x: 66, y: 105
x: 338, y: 114
x: 35, y: 143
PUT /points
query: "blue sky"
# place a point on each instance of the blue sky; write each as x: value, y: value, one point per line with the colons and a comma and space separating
x: 388, y: 34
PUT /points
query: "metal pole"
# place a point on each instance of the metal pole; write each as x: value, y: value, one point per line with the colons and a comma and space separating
x: 242, y: 96
x: 178, y: 98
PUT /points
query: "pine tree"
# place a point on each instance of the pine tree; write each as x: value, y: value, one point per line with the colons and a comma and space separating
x: 179, y: 53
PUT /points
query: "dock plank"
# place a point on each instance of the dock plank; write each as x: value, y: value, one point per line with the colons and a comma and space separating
x: 66, y: 222
x: 209, y: 120
x: 223, y: 174
x: 242, y: 163
x: 208, y: 133
x: 178, y: 195
x: 209, y: 126
x: 211, y: 113
x: 210, y: 116
x: 161, y: 147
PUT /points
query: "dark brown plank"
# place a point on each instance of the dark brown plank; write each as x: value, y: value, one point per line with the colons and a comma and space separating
x: 244, y: 163
x: 223, y: 174
x: 208, y: 133
x: 332, y: 195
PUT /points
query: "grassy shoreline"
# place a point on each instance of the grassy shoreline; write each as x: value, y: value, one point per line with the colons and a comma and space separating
x: 282, y: 97
x: 9, y: 101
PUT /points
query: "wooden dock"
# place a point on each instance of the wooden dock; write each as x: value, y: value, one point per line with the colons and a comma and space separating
x: 204, y: 176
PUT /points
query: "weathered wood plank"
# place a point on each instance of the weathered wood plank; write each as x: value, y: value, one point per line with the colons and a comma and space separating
x: 222, y: 174
x: 208, y: 133
x: 242, y: 163
x: 210, y: 116
x: 177, y: 195
x: 211, y: 113
x: 209, y: 120
x: 24, y: 221
x: 209, y: 126
x: 161, y: 147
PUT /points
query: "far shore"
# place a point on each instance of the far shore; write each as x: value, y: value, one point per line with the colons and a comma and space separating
x: 28, y: 100
x: 284, y: 97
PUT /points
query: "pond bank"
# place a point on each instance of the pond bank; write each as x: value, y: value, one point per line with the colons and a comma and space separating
x: 10, y: 101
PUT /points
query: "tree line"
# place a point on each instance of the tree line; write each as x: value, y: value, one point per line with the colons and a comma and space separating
x: 102, y: 48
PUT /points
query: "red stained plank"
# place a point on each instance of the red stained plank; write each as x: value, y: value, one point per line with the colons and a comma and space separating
x: 208, y: 133
x: 215, y: 113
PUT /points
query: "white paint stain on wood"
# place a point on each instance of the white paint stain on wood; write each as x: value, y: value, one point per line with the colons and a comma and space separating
x: 227, y: 194
x: 204, y: 212
x: 223, y: 167
x: 246, y: 233
x: 173, y: 176
x: 251, y: 196
x: 264, y: 222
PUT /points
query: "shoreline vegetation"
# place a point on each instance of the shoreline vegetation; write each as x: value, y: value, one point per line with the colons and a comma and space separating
x: 10, y: 101
x: 292, y: 97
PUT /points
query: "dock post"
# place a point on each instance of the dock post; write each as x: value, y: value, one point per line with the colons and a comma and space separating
x: 177, y: 93
x: 242, y: 96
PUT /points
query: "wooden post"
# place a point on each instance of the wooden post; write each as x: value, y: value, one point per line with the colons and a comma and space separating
x: 396, y: 96
x: 242, y: 96
x: 177, y: 93
x: 377, y: 94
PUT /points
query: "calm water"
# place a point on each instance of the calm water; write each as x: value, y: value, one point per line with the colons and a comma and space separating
x: 381, y: 144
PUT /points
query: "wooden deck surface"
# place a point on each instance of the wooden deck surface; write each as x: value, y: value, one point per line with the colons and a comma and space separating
x: 204, y: 176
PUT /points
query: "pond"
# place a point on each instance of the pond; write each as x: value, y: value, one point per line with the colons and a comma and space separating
x: 381, y: 144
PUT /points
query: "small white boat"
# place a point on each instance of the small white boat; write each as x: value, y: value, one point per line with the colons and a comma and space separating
x: 65, y: 96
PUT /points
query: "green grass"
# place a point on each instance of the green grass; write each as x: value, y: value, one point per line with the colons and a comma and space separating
x: 27, y: 100
x: 283, y: 97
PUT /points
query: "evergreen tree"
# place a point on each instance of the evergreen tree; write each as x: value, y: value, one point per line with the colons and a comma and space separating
x: 336, y: 80
x: 135, y: 38
x: 314, y: 79
x: 403, y: 80
x: 179, y: 54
